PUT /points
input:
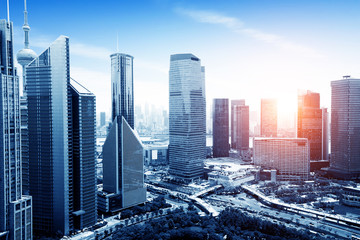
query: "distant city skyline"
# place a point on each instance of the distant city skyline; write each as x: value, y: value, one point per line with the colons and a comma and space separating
x: 279, y: 46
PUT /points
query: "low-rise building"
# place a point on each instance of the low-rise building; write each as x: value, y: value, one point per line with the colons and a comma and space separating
x: 156, y: 155
x: 289, y: 156
x: 230, y: 172
x: 351, y: 196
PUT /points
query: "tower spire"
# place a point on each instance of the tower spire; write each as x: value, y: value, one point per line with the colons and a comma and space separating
x: 8, y: 11
x: 26, y: 26
x: 117, y: 42
x: 25, y: 55
x: 25, y: 14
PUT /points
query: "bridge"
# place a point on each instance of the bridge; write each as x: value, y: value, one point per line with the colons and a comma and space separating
x: 308, y: 212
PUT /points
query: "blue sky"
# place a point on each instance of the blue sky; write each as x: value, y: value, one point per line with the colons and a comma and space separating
x: 251, y: 49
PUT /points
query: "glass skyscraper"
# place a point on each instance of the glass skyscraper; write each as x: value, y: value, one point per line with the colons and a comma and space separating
x: 102, y: 119
x: 221, y: 144
x: 123, y: 162
x: 122, y: 87
x: 268, y: 118
x: 15, y: 208
x: 50, y: 148
x: 84, y: 160
x: 240, y: 121
x: 62, y: 125
x: 309, y: 122
x: 187, y: 116
x: 325, y: 134
x: 345, y: 127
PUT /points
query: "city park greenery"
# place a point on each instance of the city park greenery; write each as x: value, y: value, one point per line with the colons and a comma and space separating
x: 231, y: 224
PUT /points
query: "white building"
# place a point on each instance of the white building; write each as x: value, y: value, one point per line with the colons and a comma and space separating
x: 289, y: 156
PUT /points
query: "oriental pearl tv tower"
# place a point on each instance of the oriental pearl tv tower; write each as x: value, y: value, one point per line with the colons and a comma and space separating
x: 25, y: 55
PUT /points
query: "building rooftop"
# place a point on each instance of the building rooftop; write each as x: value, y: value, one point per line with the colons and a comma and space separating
x: 79, y: 88
x: 184, y: 56
x: 121, y: 54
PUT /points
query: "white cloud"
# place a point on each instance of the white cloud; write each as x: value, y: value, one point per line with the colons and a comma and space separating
x: 236, y: 25
x: 212, y: 17
x: 90, y: 51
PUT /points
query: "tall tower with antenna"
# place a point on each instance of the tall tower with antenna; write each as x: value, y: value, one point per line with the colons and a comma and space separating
x: 25, y: 55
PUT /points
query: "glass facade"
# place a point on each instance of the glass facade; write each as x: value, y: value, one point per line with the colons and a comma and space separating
x: 50, y: 148
x: 102, y: 119
x: 345, y: 127
x: 239, y: 125
x: 289, y: 156
x: 84, y: 159
x: 24, y: 145
x: 268, y: 117
x: 221, y: 144
x: 123, y: 162
x: 123, y: 168
x: 15, y: 208
x: 122, y: 87
x: 187, y: 116
x: 111, y: 161
x: 309, y: 122
x: 325, y: 134
x: 132, y: 188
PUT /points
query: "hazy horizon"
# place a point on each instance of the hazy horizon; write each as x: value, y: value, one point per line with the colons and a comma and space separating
x: 250, y: 49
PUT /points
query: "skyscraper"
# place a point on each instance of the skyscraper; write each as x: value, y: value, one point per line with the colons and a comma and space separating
x: 240, y: 124
x: 61, y: 117
x: 345, y: 127
x: 84, y: 160
x: 123, y: 162
x: 102, y: 119
x: 122, y: 87
x: 309, y: 122
x: 15, y: 208
x: 50, y: 148
x: 187, y: 116
x: 268, y: 117
x: 221, y: 145
x: 325, y: 134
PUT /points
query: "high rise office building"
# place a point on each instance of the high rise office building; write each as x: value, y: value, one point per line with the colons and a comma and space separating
x: 122, y: 87
x: 187, y: 116
x: 221, y: 145
x: 268, y: 118
x: 15, y: 208
x: 123, y: 161
x: 61, y: 117
x: 309, y: 122
x: 102, y: 119
x: 345, y: 127
x: 240, y: 124
x: 325, y: 134
x: 289, y: 156
x: 50, y: 148
x: 83, y: 108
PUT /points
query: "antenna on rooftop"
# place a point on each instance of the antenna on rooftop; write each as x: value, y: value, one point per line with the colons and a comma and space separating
x: 8, y: 11
x: 25, y: 14
x: 117, y: 42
